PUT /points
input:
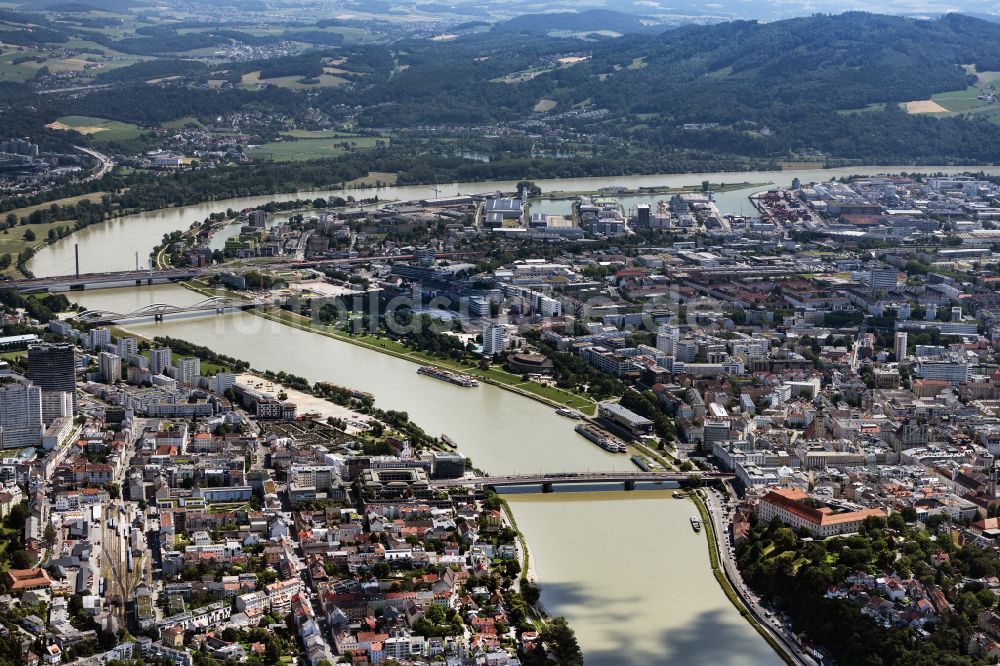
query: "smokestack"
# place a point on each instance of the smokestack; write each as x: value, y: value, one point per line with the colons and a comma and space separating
x: 76, y: 251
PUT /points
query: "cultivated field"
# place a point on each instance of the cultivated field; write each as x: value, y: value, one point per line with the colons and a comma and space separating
x: 102, y: 128
x: 253, y: 79
x: 924, y: 106
x: 317, y: 147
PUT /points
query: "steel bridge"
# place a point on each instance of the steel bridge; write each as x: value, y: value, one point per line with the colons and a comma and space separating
x: 548, y: 480
x: 157, y: 311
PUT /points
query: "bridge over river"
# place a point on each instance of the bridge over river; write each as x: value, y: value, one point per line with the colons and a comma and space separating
x: 79, y: 282
x: 548, y: 480
x: 158, y: 311
x: 137, y: 278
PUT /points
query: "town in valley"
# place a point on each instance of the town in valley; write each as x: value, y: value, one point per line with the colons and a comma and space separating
x: 819, y: 374
x: 479, y: 334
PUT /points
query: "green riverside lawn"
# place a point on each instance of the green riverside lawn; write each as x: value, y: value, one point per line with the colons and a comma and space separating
x: 502, y: 378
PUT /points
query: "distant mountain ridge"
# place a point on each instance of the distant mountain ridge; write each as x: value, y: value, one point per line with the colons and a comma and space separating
x: 83, y: 6
x: 727, y: 72
x: 826, y: 83
x: 819, y: 85
x: 591, y: 20
x: 839, y: 62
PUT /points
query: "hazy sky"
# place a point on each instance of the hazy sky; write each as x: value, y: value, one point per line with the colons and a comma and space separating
x: 748, y: 8
x: 495, y: 10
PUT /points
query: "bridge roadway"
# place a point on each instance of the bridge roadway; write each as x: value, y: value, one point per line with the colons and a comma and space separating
x: 548, y: 479
x: 116, y: 278
x: 157, y: 311
x: 76, y: 282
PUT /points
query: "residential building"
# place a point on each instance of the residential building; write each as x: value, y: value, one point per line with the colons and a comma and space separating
x: 159, y: 360
x: 899, y: 348
x: 20, y: 416
x: 883, y: 278
x: 99, y: 337
x: 494, y: 339
x: 189, y: 370
x: 281, y: 592
x: 22, y: 580
x: 666, y: 339
x: 127, y: 346
x: 111, y: 367
x: 56, y: 405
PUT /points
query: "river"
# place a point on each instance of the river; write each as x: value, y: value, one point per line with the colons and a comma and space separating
x: 112, y: 246
x: 632, y: 578
x: 624, y: 568
x: 486, y: 421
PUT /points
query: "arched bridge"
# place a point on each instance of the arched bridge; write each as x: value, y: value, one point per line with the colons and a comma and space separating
x: 547, y: 480
x: 158, y: 311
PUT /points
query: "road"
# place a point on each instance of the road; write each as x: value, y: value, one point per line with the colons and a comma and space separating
x: 124, y: 463
x: 778, y: 631
x: 300, y: 251
x: 297, y: 560
x: 107, y: 164
x: 74, y: 89
x: 164, y: 272
x: 856, y: 348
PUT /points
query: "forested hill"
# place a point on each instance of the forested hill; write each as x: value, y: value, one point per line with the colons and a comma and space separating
x: 841, y: 62
x: 830, y: 86
x: 721, y: 73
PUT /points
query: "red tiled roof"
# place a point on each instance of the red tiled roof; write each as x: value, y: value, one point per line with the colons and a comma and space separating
x: 987, y: 524
x: 792, y: 501
x: 19, y: 579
